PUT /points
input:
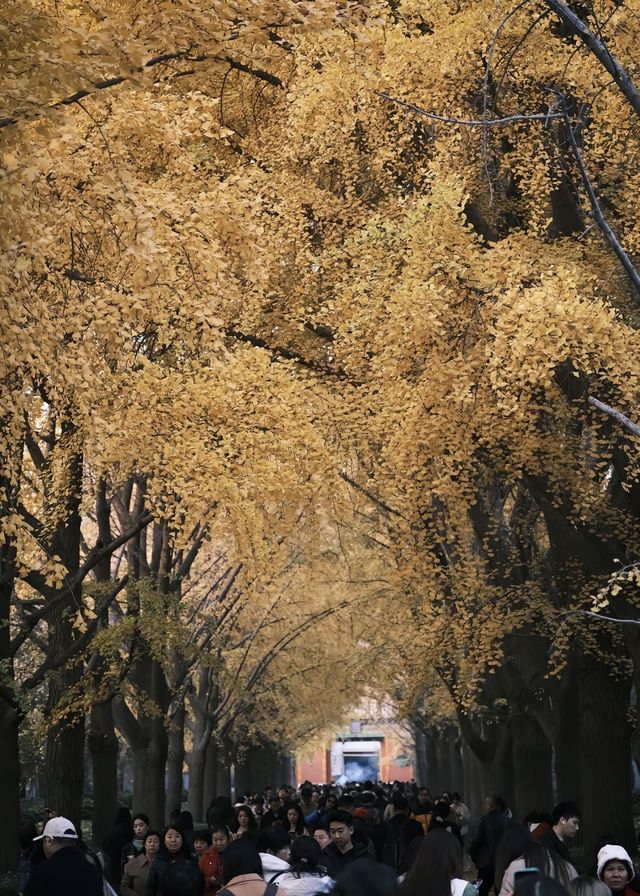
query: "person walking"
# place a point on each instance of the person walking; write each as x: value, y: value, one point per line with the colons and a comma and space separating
x: 136, y: 871
x: 66, y: 869
x: 437, y: 868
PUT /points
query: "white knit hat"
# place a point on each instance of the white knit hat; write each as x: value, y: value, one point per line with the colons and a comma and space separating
x: 610, y: 852
x: 59, y: 827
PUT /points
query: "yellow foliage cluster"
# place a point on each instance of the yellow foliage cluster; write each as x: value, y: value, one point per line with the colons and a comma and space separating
x: 318, y: 322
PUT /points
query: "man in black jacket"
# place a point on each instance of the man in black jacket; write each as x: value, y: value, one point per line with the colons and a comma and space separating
x: 565, y: 819
x: 342, y: 850
x: 483, y: 849
x: 66, y: 870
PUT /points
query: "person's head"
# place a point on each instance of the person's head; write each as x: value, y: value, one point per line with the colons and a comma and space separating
x: 346, y: 802
x: 123, y: 818
x: 276, y: 842
x: 295, y: 819
x: 185, y: 820
x: 322, y: 836
x: 364, y: 877
x: 283, y: 793
x: 275, y: 803
x: 245, y: 818
x: 615, y: 868
x: 494, y: 803
x: 173, y: 842
x: 240, y: 857
x: 566, y: 820
x: 438, y: 860
x: 331, y: 802
x: 515, y: 842
x: 341, y: 829
x: 220, y: 837
x: 400, y: 804
x: 151, y: 843
x: 306, y: 856
x: 201, y: 842
x: 58, y: 832
x: 306, y: 793
x: 583, y: 885
x: 424, y: 797
x: 140, y: 825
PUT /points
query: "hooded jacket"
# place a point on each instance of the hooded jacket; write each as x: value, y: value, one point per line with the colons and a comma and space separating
x: 272, y: 865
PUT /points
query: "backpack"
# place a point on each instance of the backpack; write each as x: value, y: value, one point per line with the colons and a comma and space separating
x: 394, y: 846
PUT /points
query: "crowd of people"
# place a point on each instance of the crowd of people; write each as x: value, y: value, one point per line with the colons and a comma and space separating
x: 358, y: 840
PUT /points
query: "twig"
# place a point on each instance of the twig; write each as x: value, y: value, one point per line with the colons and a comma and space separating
x: 471, y: 122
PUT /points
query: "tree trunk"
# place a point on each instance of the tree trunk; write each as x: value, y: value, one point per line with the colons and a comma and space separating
x: 473, y: 794
x: 196, y: 795
x: 64, y: 762
x: 566, y: 736
x: 497, y: 771
x: 149, y: 763
x: 455, y: 757
x: 9, y: 717
x: 531, y: 766
x: 103, y: 747
x: 9, y: 787
x: 175, y: 761
x: 421, y: 770
x: 211, y: 770
x: 605, y: 756
x: 434, y: 778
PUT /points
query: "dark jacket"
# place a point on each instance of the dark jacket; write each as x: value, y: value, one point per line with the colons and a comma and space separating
x: 555, y: 845
x: 491, y: 828
x: 160, y: 868
x: 400, y: 831
x: 337, y: 861
x: 66, y: 872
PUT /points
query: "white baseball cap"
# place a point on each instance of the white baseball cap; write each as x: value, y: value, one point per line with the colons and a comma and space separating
x: 59, y: 827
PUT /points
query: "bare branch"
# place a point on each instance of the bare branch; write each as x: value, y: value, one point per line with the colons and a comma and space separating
x: 616, y: 415
x: 471, y: 122
x: 596, y: 208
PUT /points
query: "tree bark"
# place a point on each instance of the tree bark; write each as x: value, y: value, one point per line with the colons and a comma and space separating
x: 9, y: 786
x: 420, y: 742
x: 175, y: 761
x: 531, y: 765
x: 64, y: 763
x: 149, y: 764
x: 605, y: 756
x: 103, y: 747
x: 210, y: 776
x: 9, y: 718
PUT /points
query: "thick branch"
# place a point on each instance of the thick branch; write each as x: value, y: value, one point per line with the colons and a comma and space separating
x: 258, y: 73
x: 602, y: 53
x: 78, y: 645
x: 616, y: 415
x: 596, y: 208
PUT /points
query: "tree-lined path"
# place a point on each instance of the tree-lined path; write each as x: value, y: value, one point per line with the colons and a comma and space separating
x: 319, y: 376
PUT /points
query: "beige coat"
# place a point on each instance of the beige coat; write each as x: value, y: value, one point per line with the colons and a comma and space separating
x: 134, y: 879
